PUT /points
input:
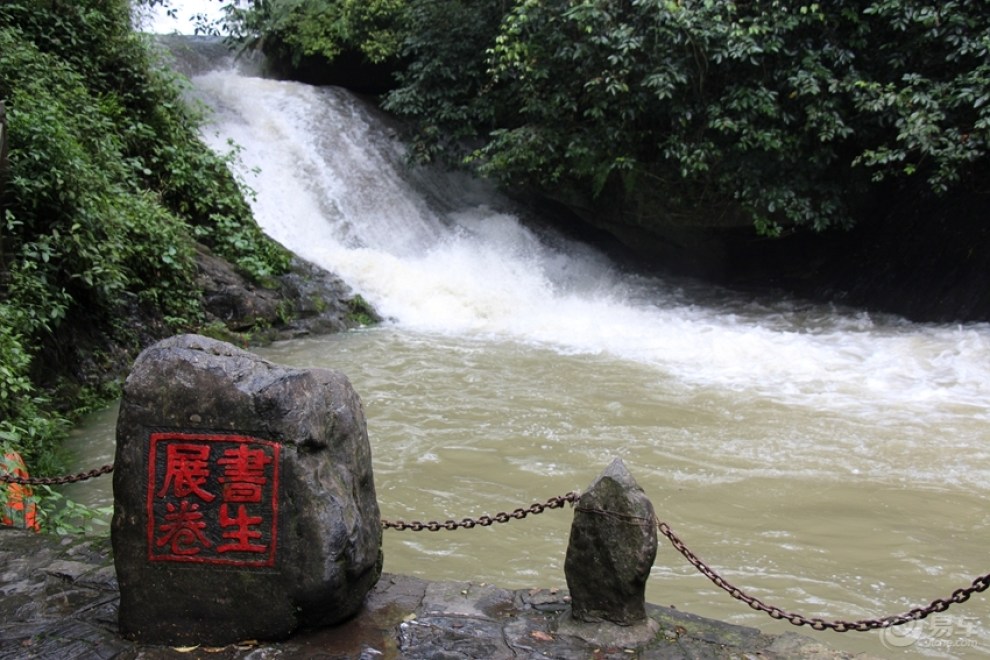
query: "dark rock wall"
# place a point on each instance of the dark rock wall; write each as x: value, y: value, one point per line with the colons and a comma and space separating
x: 921, y: 257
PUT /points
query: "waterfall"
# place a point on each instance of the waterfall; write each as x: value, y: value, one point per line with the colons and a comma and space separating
x: 439, y: 252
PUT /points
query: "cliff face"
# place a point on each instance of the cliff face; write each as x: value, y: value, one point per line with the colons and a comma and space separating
x: 305, y: 301
x: 927, y: 259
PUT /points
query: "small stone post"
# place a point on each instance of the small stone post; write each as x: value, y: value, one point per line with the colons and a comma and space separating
x: 612, y: 546
x: 244, y: 503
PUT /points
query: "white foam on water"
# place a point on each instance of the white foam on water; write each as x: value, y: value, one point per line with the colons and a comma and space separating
x: 435, y: 256
x: 332, y: 186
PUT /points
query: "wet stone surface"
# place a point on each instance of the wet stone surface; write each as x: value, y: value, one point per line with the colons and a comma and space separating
x: 244, y: 500
x: 612, y: 547
x: 59, y: 600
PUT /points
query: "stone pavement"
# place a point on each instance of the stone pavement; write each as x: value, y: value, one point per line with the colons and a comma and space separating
x: 58, y: 599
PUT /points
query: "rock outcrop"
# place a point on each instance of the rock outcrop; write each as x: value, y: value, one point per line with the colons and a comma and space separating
x: 244, y: 501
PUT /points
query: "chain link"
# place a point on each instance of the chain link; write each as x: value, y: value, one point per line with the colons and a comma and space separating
x: 55, y: 481
x: 482, y: 521
x: 980, y: 584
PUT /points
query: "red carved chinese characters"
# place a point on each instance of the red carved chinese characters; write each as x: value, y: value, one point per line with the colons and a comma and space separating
x: 186, y: 471
x: 242, y: 535
x: 212, y: 498
x: 182, y: 531
x: 244, y: 474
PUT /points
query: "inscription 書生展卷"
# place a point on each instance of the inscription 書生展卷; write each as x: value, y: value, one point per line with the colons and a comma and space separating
x: 212, y: 499
x: 222, y: 529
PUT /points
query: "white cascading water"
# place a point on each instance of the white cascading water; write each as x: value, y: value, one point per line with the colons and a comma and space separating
x: 332, y: 187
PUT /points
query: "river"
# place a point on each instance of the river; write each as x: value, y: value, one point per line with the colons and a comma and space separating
x: 830, y: 461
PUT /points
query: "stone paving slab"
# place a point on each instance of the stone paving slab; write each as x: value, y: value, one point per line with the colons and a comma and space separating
x: 58, y: 600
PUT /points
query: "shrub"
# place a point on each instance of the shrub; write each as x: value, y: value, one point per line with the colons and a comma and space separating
x: 109, y: 187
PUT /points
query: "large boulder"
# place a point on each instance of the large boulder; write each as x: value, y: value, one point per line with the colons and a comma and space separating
x: 244, y: 502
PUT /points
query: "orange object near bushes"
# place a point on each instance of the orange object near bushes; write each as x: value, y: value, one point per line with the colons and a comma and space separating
x: 18, y: 503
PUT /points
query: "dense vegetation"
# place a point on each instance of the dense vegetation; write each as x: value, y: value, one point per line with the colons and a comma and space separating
x: 107, y: 191
x: 781, y: 114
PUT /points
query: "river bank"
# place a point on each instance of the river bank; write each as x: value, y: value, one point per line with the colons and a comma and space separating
x: 60, y: 601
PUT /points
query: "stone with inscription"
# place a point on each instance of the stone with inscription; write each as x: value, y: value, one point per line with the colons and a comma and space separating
x: 611, y: 550
x: 244, y: 501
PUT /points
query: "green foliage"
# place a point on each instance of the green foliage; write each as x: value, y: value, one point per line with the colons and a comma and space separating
x: 59, y: 514
x: 360, y: 313
x: 108, y: 188
x: 196, y: 184
x: 444, y: 84
x: 81, y: 233
x: 933, y: 96
x: 293, y: 29
x: 26, y: 425
x: 787, y: 112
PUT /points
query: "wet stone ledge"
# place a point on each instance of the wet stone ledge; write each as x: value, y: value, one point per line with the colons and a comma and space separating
x: 59, y: 598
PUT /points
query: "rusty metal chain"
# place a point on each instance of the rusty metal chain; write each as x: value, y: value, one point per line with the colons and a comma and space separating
x: 978, y: 585
x: 56, y: 481
x: 938, y: 605
x: 482, y: 521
